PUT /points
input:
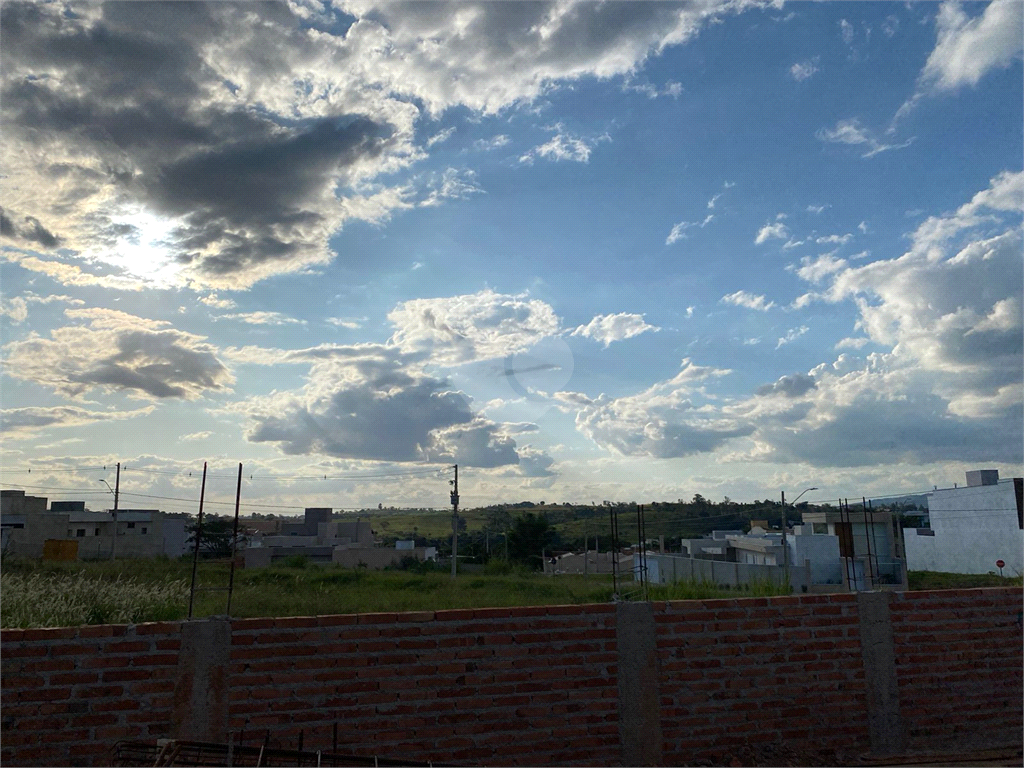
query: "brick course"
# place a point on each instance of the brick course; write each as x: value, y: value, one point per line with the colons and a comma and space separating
x: 537, y: 685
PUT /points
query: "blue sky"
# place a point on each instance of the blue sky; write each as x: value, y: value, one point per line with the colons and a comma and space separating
x: 586, y: 251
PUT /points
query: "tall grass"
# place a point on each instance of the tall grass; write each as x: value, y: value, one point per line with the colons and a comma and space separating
x: 71, y: 599
x: 706, y: 590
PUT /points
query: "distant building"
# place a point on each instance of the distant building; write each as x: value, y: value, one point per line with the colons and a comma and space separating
x: 971, y: 527
x: 320, y: 539
x: 27, y: 525
x: 831, y: 551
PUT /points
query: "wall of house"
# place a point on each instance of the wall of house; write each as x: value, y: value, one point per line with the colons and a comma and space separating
x: 974, y: 526
x: 823, y: 554
x: 668, y: 569
x: 830, y: 678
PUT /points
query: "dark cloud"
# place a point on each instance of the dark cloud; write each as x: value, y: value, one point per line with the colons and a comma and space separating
x: 23, y: 422
x: 119, y: 352
x: 375, y: 408
x: 31, y: 231
x: 875, y: 430
x: 789, y: 386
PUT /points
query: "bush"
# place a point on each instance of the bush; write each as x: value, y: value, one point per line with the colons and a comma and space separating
x: 295, y: 561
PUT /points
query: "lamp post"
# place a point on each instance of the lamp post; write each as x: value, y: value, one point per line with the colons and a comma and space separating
x: 785, y: 547
x: 114, y: 493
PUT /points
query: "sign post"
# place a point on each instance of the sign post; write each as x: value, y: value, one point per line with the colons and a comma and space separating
x: 999, y: 565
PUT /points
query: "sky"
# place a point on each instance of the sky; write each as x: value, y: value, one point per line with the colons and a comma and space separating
x: 586, y: 251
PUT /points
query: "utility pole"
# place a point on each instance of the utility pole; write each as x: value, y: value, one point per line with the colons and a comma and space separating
x: 785, y: 548
x: 586, y: 545
x: 116, y: 490
x: 455, y: 518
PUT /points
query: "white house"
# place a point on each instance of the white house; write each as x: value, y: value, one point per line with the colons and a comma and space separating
x: 971, y: 527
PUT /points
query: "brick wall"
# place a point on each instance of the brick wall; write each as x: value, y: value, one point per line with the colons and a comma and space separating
x: 784, y: 671
x: 698, y: 680
x: 958, y: 660
x: 68, y: 694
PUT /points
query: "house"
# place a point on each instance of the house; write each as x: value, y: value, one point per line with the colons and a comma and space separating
x: 831, y: 551
x: 27, y: 525
x: 320, y: 539
x: 589, y: 562
x: 971, y: 527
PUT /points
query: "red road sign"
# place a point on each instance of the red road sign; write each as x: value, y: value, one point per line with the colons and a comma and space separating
x: 1000, y: 563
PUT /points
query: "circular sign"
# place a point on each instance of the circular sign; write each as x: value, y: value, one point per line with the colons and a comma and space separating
x: 1000, y: 563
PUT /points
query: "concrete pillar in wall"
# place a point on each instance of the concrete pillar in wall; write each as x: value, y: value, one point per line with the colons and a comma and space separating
x: 885, y: 725
x: 640, y: 735
x: 200, y: 707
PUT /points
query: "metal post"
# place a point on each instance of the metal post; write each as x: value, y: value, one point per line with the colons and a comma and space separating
x: 199, y: 535
x: 615, y: 558
x: 455, y: 520
x: 234, y: 539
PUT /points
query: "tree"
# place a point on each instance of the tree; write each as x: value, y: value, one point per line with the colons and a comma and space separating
x: 216, y: 536
x: 530, y: 535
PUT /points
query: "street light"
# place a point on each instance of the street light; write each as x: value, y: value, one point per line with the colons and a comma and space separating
x: 785, y: 546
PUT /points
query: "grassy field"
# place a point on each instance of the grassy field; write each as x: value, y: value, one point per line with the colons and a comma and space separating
x: 35, y: 594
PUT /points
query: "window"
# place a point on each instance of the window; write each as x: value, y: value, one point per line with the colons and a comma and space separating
x: 131, y: 525
x: 820, y: 529
x: 97, y: 533
x: 145, y: 530
x: 80, y: 533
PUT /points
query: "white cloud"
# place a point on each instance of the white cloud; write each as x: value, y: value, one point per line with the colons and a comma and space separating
x: 769, y: 231
x: 195, y: 436
x: 486, y: 145
x: 851, y: 132
x: 815, y: 269
x: 714, y: 199
x: 609, y: 328
x: 967, y: 48
x: 564, y: 147
x: 816, y: 208
x: 119, y: 352
x: 803, y: 70
x: 662, y: 421
x: 213, y: 300
x: 748, y: 300
x: 453, y: 184
x: 846, y: 29
x: 351, y: 323
x: 834, y: 239
x: 444, y: 135
x: 15, y: 308
x: 264, y: 318
x: 863, y: 227
x: 678, y: 231
x: 475, y: 326
x: 792, y: 334
x: 949, y: 306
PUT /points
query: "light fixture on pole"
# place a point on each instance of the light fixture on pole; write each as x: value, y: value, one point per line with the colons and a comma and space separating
x: 785, y: 546
x: 116, y: 491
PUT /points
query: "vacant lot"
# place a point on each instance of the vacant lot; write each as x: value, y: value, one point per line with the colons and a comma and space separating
x: 131, y: 591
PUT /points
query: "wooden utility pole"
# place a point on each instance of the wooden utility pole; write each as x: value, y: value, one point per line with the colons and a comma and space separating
x: 455, y: 518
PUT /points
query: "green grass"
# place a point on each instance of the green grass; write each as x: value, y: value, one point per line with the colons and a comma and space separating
x: 36, y: 594
x: 924, y: 580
